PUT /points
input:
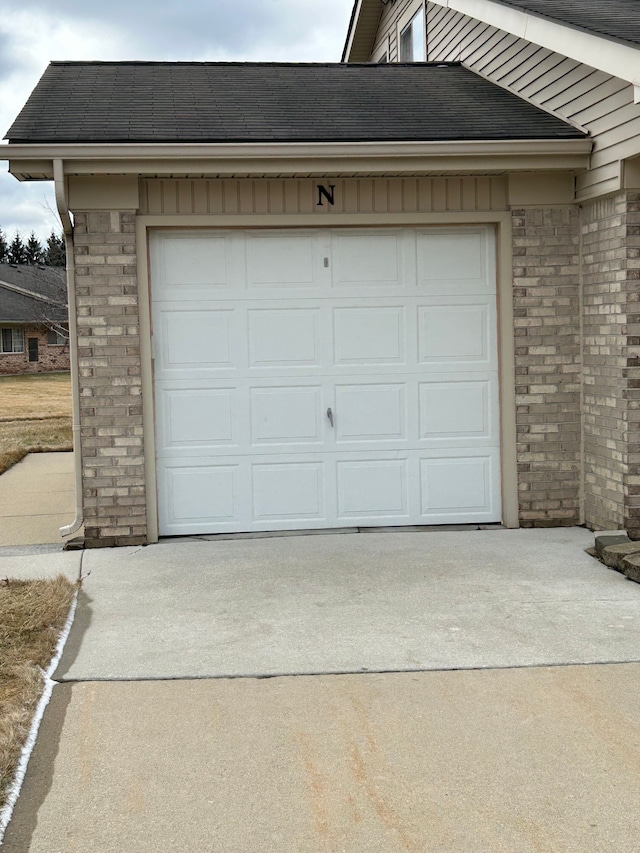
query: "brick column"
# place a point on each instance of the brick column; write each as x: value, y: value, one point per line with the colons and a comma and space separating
x: 631, y: 369
x: 605, y: 420
x: 546, y: 282
x: 113, y: 473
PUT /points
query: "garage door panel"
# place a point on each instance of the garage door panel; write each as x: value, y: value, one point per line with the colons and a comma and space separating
x: 291, y: 491
x: 197, y: 267
x: 458, y: 486
x: 195, y: 340
x: 370, y: 412
x: 457, y: 411
x: 286, y: 415
x: 363, y: 259
x: 369, y: 336
x: 456, y: 262
x: 197, y: 261
x: 284, y: 337
x: 199, y: 418
x: 290, y: 261
x: 455, y: 334
x: 372, y: 488
x: 202, y: 494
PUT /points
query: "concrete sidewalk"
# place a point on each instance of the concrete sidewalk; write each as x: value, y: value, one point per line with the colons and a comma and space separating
x: 513, y: 756
x: 37, y: 497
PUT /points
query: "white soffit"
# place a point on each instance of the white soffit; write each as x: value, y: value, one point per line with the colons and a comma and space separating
x: 612, y: 57
x: 34, y: 162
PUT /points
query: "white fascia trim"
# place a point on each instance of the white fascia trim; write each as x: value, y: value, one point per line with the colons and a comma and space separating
x: 346, y: 53
x: 288, y: 151
x: 612, y: 57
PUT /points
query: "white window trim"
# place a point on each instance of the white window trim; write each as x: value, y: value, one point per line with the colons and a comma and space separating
x: 414, y: 9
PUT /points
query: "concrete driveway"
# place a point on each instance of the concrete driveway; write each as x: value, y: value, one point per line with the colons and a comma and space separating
x: 372, y: 602
x: 409, y: 749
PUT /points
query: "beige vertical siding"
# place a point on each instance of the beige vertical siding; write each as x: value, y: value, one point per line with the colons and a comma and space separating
x: 601, y: 104
x: 365, y: 195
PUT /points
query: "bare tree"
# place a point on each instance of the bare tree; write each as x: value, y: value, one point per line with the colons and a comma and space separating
x: 49, y: 313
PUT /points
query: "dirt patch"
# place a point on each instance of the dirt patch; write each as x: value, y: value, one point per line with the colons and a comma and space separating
x: 32, y: 616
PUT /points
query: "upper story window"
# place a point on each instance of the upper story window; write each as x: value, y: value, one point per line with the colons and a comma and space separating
x: 413, y: 41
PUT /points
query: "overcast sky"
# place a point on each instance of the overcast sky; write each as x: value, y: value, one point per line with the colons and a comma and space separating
x: 34, y: 32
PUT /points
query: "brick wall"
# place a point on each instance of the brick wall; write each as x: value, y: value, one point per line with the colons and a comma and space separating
x: 604, y: 252
x: 569, y: 394
x: 50, y: 357
x: 113, y: 471
x: 546, y: 294
x: 631, y: 365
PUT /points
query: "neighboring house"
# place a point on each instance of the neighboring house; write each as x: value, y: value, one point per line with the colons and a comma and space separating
x: 34, y: 334
x: 369, y: 294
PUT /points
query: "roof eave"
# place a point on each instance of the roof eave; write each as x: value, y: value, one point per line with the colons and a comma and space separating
x: 362, y: 30
x: 35, y: 162
x: 617, y: 58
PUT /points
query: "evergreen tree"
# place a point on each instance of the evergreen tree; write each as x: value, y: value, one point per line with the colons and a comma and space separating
x: 33, y: 250
x: 4, y: 247
x: 55, y: 254
x: 17, y: 253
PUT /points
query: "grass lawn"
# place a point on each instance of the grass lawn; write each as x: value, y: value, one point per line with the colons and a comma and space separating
x: 35, y: 415
x: 32, y: 615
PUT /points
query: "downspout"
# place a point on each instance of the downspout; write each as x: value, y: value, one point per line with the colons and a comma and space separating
x: 67, y: 227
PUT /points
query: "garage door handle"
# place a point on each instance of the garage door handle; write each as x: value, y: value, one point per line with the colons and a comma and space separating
x: 330, y: 416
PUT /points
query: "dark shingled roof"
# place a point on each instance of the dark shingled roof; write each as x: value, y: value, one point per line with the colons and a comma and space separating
x: 93, y: 102
x: 615, y: 19
x: 20, y: 307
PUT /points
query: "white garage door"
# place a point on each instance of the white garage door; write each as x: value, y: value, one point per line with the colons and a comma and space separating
x: 325, y: 378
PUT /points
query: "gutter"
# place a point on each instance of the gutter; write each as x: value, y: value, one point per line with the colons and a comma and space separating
x: 34, y: 161
x: 118, y: 151
x: 67, y: 227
